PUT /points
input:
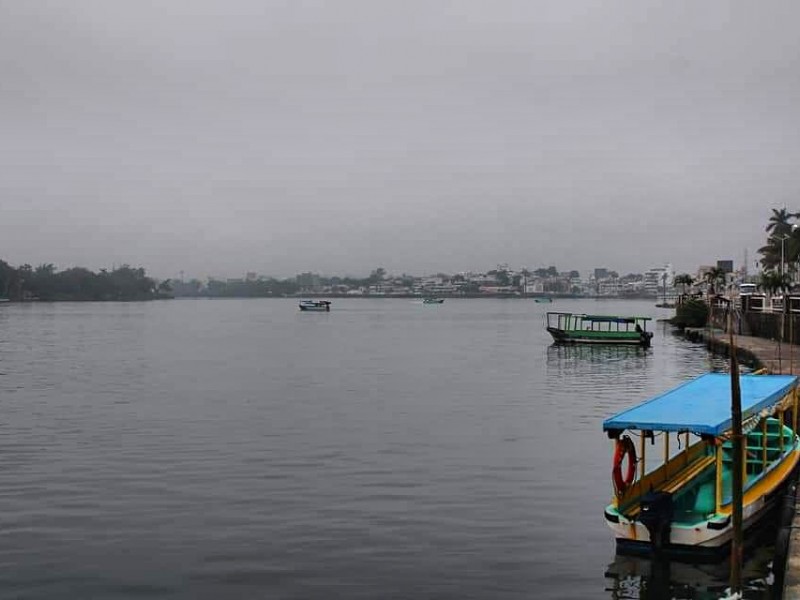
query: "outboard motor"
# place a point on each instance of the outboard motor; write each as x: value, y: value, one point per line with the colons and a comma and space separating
x: 656, y: 514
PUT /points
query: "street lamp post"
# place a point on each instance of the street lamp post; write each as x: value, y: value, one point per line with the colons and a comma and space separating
x: 784, y: 299
x: 782, y: 239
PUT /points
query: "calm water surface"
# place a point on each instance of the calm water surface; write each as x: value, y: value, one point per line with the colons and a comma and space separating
x: 387, y: 449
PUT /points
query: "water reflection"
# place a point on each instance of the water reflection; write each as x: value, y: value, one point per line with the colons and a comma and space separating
x: 557, y: 353
x: 633, y: 577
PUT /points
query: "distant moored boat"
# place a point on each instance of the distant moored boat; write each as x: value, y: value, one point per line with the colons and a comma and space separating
x: 569, y: 328
x: 315, y: 305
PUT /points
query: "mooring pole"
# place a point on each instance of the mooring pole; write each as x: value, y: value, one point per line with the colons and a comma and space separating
x: 738, y: 469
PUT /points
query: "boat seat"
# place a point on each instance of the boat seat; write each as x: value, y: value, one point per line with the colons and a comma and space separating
x: 686, y: 475
x: 681, y: 478
x: 704, y: 502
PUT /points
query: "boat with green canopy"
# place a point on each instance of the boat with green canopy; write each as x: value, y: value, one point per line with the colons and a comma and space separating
x: 679, y: 502
x: 576, y: 328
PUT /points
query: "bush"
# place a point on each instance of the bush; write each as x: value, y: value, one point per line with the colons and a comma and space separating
x: 692, y: 313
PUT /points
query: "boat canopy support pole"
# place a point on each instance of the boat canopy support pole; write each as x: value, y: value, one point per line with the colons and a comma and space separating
x: 642, y: 450
x: 744, y: 460
x: 615, y: 499
x: 666, y: 447
x: 685, y: 448
x: 718, y: 477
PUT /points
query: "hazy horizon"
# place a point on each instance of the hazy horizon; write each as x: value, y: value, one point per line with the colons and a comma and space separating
x: 219, y: 138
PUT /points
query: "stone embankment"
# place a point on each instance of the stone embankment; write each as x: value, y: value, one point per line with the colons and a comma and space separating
x: 754, y: 352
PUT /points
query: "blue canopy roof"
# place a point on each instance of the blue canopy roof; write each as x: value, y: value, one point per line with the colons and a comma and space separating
x: 703, y: 404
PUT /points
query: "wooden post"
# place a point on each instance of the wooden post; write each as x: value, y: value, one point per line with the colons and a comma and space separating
x: 615, y: 499
x: 686, y: 444
x: 791, y: 344
x: 718, y: 482
x: 780, y: 337
x: 738, y: 472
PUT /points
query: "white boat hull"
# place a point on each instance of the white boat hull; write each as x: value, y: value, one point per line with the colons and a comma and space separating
x: 698, y: 536
x: 709, y: 536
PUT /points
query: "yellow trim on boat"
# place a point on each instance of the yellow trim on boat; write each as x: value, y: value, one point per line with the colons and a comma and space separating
x: 766, y: 484
x: 674, y: 484
x: 660, y: 476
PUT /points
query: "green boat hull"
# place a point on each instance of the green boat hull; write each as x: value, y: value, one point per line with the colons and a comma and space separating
x: 631, y: 338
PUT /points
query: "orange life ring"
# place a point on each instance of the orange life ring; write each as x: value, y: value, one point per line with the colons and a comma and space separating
x: 625, y: 447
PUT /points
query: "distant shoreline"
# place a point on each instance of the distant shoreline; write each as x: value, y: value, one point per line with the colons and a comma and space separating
x: 420, y: 297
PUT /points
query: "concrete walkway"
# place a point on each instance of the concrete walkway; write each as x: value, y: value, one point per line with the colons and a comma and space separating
x: 777, y: 358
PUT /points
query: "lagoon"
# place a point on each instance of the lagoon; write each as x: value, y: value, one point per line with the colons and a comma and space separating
x: 241, y: 448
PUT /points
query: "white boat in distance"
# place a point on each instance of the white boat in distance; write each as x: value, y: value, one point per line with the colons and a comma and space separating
x: 315, y: 305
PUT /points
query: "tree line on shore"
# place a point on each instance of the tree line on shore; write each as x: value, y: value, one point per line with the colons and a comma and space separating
x: 78, y: 284
x: 780, y: 263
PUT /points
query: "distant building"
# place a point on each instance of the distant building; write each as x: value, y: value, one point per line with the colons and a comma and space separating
x: 659, y: 280
x: 725, y: 265
x: 600, y: 273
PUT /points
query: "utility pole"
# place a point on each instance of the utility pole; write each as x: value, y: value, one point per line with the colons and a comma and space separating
x: 745, y: 264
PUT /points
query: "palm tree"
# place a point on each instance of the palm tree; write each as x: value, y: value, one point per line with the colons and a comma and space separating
x: 771, y: 254
x: 714, y: 276
x: 773, y: 281
x: 525, y: 274
x: 779, y: 221
x: 684, y: 280
x: 780, y: 229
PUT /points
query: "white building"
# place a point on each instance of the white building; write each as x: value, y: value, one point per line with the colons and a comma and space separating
x: 656, y: 279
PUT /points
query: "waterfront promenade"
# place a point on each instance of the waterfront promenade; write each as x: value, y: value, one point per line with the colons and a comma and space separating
x: 756, y: 352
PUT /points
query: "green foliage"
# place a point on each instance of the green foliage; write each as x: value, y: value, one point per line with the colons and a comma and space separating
x: 774, y: 282
x: 714, y: 277
x: 502, y: 278
x: 783, y: 241
x: 691, y: 313
x: 377, y: 275
x: 77, y: 283
x: 683, y: 281
x: 8, y: 279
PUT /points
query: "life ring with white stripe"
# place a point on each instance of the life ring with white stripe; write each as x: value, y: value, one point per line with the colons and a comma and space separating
x: 624, y: 448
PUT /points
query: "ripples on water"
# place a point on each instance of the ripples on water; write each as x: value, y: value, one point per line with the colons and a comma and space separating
x: 239, y: 448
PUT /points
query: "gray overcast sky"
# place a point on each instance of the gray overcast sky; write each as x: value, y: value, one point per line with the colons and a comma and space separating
x: 423, y: 136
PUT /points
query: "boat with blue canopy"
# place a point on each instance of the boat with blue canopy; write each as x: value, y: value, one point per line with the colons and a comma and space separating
x: 577, y: 328
x: 679, y: 502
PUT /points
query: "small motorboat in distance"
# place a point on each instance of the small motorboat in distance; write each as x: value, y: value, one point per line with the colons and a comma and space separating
x: 569, y: 328
x: 677, y: 501
x: 433, y: 300
x: 315, y: 305
x: 543, y: 300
